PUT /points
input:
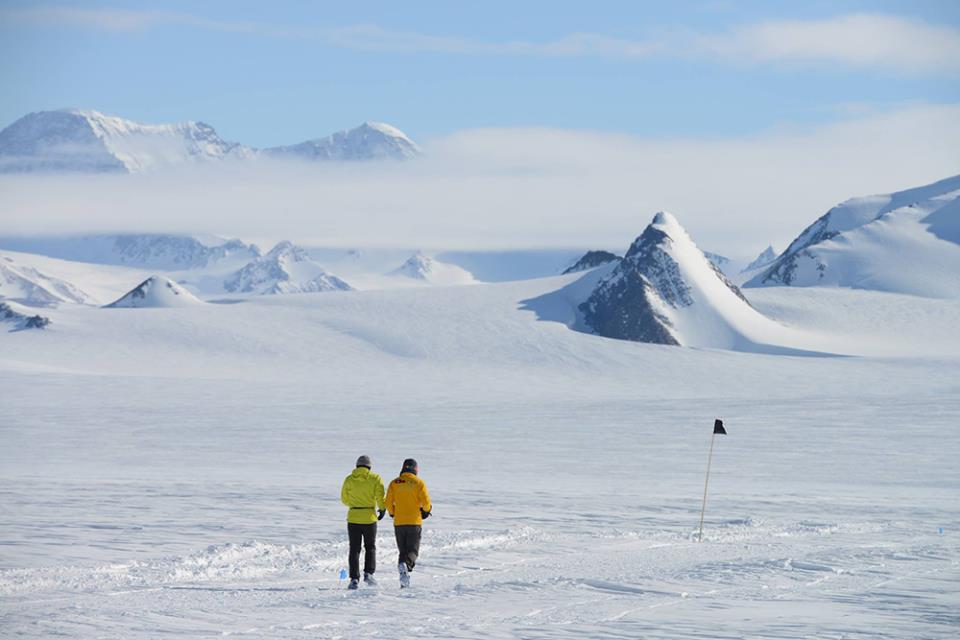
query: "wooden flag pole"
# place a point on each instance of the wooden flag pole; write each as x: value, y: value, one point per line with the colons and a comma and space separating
x: 717, y: 428
x: 703, y: 509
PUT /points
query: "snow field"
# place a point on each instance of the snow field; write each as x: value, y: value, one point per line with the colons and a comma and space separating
x: 178, y: 471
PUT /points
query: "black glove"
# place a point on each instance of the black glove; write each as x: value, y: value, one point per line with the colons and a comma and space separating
x: 424, y: 514
x: 381, y: 513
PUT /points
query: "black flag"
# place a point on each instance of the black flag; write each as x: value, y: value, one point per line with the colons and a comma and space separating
x: 718, y: 427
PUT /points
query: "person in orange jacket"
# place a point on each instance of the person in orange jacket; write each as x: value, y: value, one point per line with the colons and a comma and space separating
x: 408, y: 503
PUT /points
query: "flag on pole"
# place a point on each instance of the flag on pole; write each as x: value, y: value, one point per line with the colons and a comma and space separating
x: 717, y: 429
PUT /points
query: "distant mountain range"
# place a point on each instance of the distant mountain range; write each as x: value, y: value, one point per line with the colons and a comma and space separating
x: 664, y: 289
x: 73, y: 140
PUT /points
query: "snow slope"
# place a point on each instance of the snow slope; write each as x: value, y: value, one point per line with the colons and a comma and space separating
x: 177, y: 472
x: 89, y: 141
x: 429, y: 270
x: 31, y: 287
x: 156, y: 292
x: 906, y: 242
x: 665, y: 290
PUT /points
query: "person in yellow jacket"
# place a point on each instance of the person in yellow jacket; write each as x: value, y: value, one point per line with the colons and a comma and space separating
x: 408, y: 502
x: 362, y: 491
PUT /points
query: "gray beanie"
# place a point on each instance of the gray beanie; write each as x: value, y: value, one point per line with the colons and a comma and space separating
x: 364, y: 461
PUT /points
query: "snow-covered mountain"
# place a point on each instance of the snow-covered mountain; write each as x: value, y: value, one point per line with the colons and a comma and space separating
x: 590, y: 260
x: 666, y: 291
x: 29, y: 286
x: 286, y: 268
x: 156, y: 292
x: 77, y: 140
x: 89, y: 141
x: 167, y: 251
x: 905, y: 242
x: 369, y: 141
x: 765, y: 257
x: 429, y: 270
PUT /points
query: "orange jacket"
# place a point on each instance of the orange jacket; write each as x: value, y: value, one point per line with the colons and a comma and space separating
x: 406, y: 496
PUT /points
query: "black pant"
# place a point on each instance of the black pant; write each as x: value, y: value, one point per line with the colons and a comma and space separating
x: 367, y: 534
x: 408, y: 542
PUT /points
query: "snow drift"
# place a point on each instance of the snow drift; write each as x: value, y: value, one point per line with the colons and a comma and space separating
x: 156, y: 291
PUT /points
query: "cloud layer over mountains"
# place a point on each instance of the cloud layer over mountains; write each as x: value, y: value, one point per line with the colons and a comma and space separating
x: 496, y: 188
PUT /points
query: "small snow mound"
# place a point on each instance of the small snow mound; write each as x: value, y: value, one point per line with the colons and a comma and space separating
x: 431, y: 271
x: 156, y: 292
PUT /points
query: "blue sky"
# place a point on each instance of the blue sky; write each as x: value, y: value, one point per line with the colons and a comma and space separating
x: 277, y: 73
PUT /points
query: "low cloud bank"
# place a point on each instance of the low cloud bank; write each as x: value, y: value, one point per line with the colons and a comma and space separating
x: 509, y: 188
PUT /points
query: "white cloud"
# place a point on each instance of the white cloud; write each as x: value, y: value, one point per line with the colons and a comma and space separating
x: 860, y: 40
x: 878, y: 41
x: 497, y: 188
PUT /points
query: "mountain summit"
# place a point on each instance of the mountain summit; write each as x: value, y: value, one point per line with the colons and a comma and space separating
x: 369, y: 141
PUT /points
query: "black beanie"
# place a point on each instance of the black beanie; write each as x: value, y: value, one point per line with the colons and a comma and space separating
x: 410, y: 466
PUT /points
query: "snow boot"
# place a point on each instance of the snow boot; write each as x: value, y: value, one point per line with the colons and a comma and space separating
x: 369, y: 580
x: 354, y: 584
x: 404, y: 575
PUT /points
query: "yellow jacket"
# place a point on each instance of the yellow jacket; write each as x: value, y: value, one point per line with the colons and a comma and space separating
x: 363, y: 492
x: 406, y: 496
